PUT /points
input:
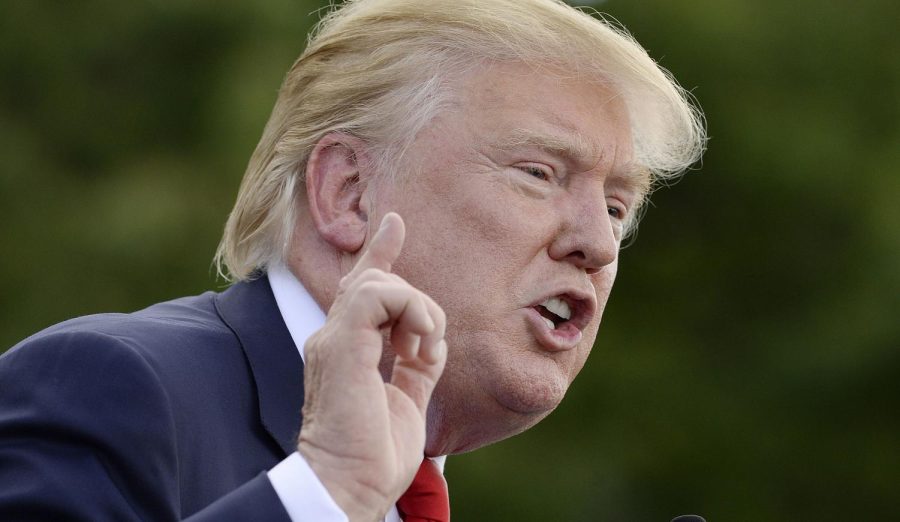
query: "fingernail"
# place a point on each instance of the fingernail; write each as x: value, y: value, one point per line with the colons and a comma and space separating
x: 414, y: 347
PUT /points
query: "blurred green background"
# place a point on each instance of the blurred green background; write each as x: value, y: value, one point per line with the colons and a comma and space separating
x: 748, y: 367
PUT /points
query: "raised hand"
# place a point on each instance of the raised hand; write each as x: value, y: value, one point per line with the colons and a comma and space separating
x: 364, y: 437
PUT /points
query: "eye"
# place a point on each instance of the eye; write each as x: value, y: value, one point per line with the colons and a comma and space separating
x: 616, y: 212
x: 536, y: 171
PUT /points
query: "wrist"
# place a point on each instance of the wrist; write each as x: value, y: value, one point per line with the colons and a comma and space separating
x: 359, y: 501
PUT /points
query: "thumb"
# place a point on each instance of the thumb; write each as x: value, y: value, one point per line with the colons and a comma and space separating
x: 385, y: 246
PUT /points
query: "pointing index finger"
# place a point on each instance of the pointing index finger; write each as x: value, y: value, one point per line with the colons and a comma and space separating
x: 385, y: 246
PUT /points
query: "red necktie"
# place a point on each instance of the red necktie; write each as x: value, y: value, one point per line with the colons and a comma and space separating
x: 426, y: 500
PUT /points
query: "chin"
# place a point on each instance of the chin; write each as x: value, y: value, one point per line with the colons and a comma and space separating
x: 531, y: 384
x: 487, y: 417
x: 521, y: 402
x: 493, y: 390
x: 536, y: 399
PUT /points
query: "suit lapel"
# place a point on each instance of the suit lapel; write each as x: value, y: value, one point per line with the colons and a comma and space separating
x: 249, y: 309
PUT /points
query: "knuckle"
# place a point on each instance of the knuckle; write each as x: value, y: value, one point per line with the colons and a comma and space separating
x: 423, y: 304
x: 369, y: 288
x: 311, y: 347
x: 435, y: 308
x: 372, y: 274
x: 440, y: 315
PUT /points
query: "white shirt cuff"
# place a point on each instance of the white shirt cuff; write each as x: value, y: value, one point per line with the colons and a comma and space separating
x: 302, y: 493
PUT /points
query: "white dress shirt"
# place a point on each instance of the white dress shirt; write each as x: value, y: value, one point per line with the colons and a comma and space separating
x: 303, y: 495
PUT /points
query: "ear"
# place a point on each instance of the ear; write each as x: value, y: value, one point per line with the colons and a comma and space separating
x: 337, y: 175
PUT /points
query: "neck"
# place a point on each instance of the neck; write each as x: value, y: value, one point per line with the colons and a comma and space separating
x: 317, y: 264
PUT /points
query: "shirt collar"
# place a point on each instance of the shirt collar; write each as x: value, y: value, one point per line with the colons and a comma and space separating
x: 299, y: 310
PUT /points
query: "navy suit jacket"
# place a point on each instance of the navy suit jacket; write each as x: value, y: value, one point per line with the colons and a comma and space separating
x: 174, y: 412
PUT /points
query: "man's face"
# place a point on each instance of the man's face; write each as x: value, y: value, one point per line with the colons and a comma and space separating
x: 514, y: 203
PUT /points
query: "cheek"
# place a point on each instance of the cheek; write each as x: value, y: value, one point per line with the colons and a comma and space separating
x: 471, y: 225
x: 472, y: 240
x: 604, y: 279
x: 603, y: 284
x: 495, y: 218
x: 444, y: 255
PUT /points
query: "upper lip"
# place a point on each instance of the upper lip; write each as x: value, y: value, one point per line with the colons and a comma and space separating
x: 582, y: 303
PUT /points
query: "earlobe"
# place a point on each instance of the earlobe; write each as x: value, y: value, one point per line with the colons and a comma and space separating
x: 336, y: 180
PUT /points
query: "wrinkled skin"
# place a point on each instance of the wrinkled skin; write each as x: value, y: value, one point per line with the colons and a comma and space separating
x: 517, y: 194
x: 494, y: 226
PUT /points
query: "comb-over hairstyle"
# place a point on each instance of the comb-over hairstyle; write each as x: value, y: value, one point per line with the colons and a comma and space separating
x: 381, y: 70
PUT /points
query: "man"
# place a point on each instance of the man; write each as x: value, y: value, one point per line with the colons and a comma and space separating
x: 450, y: 182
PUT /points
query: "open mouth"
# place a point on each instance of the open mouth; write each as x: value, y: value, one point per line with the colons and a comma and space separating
x: 554, y: 311
x: 559, y: 321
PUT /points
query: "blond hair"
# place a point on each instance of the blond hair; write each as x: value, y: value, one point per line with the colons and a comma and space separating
x: 382, y: 69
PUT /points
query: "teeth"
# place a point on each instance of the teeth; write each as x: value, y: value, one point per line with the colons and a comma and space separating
x: 558, y: 307
x: 549, y: 323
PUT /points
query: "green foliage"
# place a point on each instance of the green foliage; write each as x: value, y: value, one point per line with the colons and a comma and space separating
x: 748, y: 364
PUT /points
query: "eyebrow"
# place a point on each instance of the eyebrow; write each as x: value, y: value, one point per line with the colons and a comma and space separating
x: 576, y: 150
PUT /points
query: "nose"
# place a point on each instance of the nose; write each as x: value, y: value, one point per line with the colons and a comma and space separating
x: 587, y: 237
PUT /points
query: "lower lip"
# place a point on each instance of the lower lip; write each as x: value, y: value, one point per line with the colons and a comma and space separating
x: 565, y: 337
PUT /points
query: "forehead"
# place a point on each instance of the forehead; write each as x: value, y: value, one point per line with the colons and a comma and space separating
x: 548, y: 90
x: 517, y: 107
